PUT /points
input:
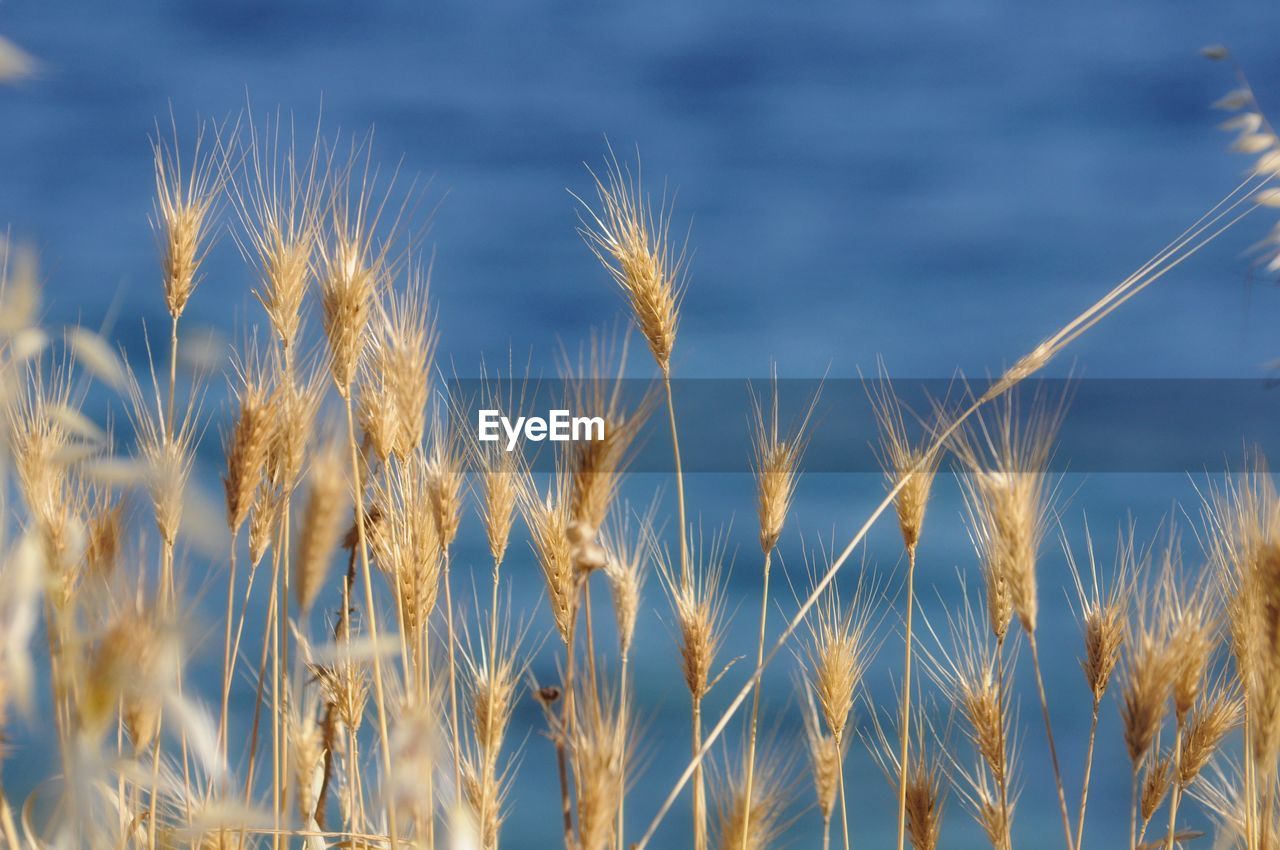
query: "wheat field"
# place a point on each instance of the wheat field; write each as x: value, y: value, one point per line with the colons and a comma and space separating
x: 385, y: 673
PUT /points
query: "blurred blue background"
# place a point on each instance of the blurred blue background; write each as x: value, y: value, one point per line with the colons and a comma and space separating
x: 939, y: 183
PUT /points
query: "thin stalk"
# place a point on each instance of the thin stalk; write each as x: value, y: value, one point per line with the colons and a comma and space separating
x: 153, y: 811
x: 566, y: 723
x: 622, y: 708
x: 906, y: 700
x: 699, y: 785
x: 490, y: 756
x: 453, y: 675
x: 1174, y: 793
x: 226, y: 652
x: 283, y: 629
x: 322, y: 798
x: 566, y: 807
x: 426, y: 695
x: 356, y: 798
x: 273, y: 637
x: 675, y: 448
x: 844, y: 808
x: 1048, y: 731
x: 170, y: 608
x: 1133, y: 810
x: 257, y: 697
x: 1249, y: 780
x: 1002, y: 781
x: 367, y: 578
x: 235, y: 644
x: 169, y: 592
x: 755, y: 703
x: 591, y: 634
x: 1088, y: 770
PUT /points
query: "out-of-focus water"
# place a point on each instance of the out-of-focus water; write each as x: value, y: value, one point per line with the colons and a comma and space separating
x: 938, y: 183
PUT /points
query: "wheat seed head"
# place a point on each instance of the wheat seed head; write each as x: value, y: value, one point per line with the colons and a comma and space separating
x: 375, y: 408
x: 500, y: 472
x: 629, y: 551
x: 132, y: 667
x: 924, y: 800
x: 757, y: 822
x: 353, y: 267
x: 445, y: 478
x: 904, y: 461
x: 403, y: 351
x: 486, y: 796
x: 599, y: 744
x: 981, y: 795
x: 105, y: 534
x: 966, y: 667
x: 924, y: 788
x: 1146, y: 681
x: 1192, y: 625
x: 826, y: 759
x: 595, y: 387
x: 1243, y: 529
x: 699, y: 608
x: 167, y: 454
x: 1102, y: 607
x: 279, y: 198
x: 294, y: 403
x: 343, y: 679
x: 1218, y: 711
x: 186, y: 196
x: 1009, y: 492
x: 839, y: 651
x: 405, y: 540
x: 631, y: 240
x: 775, y: 458
x: 548, y: 517
x: 493, y: 673
x: 323, y: 516
x: 262, y: 520
x: 38, y: 443
x: 1156, y: 781
x: 248, y: 444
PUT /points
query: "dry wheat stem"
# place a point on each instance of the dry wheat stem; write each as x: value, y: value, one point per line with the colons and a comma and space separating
x: 844, y: 806
x: 1048, y: 731
x: 1175, y: 791
x: 1088, y: 770
x: 367, y: 578
x: 675, y: 450
x: 1002, y: 780
x: 451, y: 637
x: 755, y: 700
x: 1133, y: 810
x: 1030, y: 364
x: 699, y: 785
x: 226, y: 650
x: 906, y: 699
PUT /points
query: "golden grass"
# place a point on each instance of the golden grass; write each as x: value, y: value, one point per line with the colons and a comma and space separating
x: 354, y: 590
